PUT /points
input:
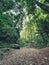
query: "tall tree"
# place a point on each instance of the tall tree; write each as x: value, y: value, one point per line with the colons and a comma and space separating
x: 8, y: 33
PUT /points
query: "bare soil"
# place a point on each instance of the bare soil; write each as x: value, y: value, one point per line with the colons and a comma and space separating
x: 25, y: 56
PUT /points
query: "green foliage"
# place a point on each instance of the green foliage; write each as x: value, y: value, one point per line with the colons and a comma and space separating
x: 37, y: 28
x: 30, y: 6
x: 31, y: 26
x: 6, y: 20
x: 8, y: 32
x: 6, y: 5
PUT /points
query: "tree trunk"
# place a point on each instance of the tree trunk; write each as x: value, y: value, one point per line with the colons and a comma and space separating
x: 43, y: 6
x: 47, y: 1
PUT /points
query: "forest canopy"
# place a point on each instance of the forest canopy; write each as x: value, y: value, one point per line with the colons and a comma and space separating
x: 24, y: 22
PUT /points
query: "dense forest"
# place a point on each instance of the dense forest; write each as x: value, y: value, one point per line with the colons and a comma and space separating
x: 25, y: 23
x: 24, y: 32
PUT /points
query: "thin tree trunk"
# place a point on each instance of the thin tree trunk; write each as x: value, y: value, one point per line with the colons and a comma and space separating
x: 43, y: 6
x: 47, y: 1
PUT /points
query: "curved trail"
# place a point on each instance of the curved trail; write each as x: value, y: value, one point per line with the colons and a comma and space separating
x: 27, y: 56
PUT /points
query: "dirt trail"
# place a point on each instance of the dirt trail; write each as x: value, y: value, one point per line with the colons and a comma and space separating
x: 27, y: 56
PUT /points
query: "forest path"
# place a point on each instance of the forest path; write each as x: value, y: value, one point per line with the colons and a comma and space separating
x: 26, y: 56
